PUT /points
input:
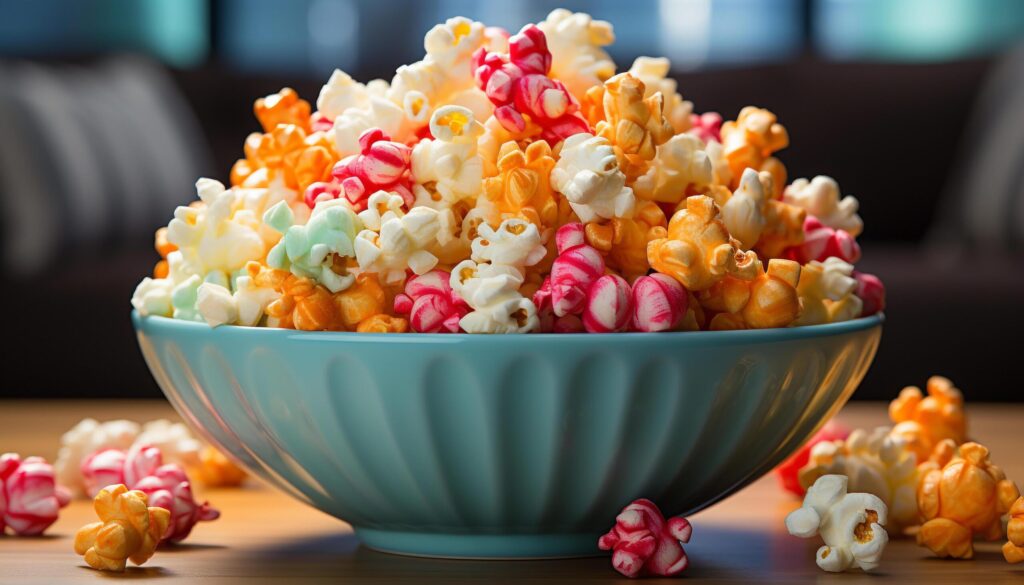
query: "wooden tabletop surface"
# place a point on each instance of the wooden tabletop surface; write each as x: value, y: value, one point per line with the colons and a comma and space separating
x: 263, y: 536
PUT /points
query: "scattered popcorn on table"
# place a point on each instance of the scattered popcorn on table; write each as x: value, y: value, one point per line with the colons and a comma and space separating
x: 873, y: 462
x: 851, y: 524
x: 142, y: 467
x: 84, y: 439
x: 961, y: 495
x: 1013, y: 550
x: 128, y: 529
x: 644, y: 543
x: 335, y: 209
x: 30, y: 499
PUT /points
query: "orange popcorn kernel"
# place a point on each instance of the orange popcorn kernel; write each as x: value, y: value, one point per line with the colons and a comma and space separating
x: 925, y: 421
x: 961, y: 494
x: 128, y: 529
x: 770, y: 299
x: 283, y: 107
x: 522, y: 187
x: 634, y: 125
x: 750, y: 141
x: 698, y: 250
x: 623, y: 241
x: 1013, y: 550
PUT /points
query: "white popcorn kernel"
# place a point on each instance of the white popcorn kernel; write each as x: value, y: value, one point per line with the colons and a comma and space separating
x: 679, y: 163
x: 153, y: 297
x: 827, y: 292
x: 340, y: 93
x: 588, y: 174
x: 400, y: 241
x: 577, y: 57
x: 448, y: 169
x: 216, y: 305
x: 821, y: 198
x: 84, y: 439
x: 743, y: 213
x: 493, y: 293
x: 850, y: 524
x: 515, y: 243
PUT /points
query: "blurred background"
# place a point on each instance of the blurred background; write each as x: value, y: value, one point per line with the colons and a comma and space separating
x: 110, y: 109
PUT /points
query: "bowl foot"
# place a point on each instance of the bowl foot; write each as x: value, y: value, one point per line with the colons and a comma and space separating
x: 480, y: 546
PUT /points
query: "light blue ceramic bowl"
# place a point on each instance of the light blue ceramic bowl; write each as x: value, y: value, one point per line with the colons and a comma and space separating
x: 505, y: 445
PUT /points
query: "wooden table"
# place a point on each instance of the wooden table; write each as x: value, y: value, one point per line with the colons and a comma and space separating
x: 264, y: 536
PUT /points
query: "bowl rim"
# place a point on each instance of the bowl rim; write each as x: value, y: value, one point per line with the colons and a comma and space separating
x: 699, y: 338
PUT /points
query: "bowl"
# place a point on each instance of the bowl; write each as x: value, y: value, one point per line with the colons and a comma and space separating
x: 505, y: 446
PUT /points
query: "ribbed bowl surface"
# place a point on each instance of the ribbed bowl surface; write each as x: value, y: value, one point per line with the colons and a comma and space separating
x: 505, y: 446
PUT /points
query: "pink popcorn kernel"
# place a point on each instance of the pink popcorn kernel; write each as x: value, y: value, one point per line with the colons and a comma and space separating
x: 821, y: 242
x: 871, y: 292
x: 576, y: 268
x: 167, y: 486
x: 30, y: 499
x: 381, y: 165
x: 320, y: 123
x: 609, y: 306
x: 643, y: 543
x: 431, y: 304
x: 659, y: 303
x: 706, y: 126
x: 518, y: 86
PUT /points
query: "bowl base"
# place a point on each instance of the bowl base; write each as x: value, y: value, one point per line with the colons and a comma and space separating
x: 481, y: 546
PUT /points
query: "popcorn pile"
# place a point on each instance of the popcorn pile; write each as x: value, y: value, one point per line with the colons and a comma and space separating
x: 511, y: 184
x: 921, y: 476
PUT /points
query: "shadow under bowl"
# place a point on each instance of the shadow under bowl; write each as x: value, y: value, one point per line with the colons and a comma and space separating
x: 505, y: 446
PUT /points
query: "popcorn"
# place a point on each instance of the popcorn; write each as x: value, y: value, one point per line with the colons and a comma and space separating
x: 216, y: 470
x: 1013, y: 550
x: 788, y: 471
x: 283, y: 107
x: 574, y: 270
x: 821, y: 242
x: 303, y: 304
x: 871, y: 292
x: 173, y: 439
x: 744, y: 212
x: 923, y: 422
x: 680, y: 164
x: 960, y: 495
x: 706, y: 126
x: 215, y: 237
x: 128, y: 529
x: 448, y: 169
x: 395, y: 241
x: 515, y: 243
x: 381, y: 165
x: 874, y: 462
x: 431, y: 304
x: 84, y: 439
x: 659, y: 303
x: 481, y: 152
x: 522, y: 186
x: 645, y: 543
x: 698, y: 250
x: 768, y: 300
x: 526, y: 100
x: 577, y: 58
x: 751, y: 139
x: 587, y: 174
x: 635, y: 125
x: 827, y: 293
x: 167, y: 486
x: 492, y: 291
x: 30, y: 499
x: 316, y: 250
x: 654, y: 73
x: 851, y: 524
x: 609, y: 305
x: 340, y: 93
x: 624, y: 241
x: 821, y: 198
